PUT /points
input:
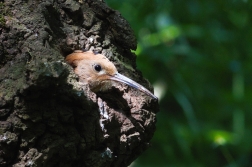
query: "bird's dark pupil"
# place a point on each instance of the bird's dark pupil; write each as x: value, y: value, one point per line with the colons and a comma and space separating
x: 97, y: 68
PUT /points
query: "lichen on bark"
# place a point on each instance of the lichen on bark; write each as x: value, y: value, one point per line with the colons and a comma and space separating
x: 46, y: 117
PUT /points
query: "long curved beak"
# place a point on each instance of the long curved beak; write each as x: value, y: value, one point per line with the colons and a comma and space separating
x: 121, y: 78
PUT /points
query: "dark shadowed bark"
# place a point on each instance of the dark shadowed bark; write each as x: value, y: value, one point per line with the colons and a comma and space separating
x: 47, y: 118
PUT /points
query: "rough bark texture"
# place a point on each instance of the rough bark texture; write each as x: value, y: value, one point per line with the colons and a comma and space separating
x: 46, y: 117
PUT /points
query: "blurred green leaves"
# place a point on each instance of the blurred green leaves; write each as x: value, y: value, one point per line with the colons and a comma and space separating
x: 220, y: 138
x: 198, y: 56
x: 165, y: 35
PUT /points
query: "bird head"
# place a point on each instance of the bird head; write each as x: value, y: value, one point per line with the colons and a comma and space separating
x: 96, y: 70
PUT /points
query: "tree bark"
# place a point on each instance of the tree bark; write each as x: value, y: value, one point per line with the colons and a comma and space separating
x: 47, y: 118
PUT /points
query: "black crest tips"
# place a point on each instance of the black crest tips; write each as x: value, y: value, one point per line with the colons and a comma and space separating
x: 95, y: 52
x: 84, y: 50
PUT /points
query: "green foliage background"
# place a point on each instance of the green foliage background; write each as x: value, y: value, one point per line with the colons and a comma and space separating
x: 198, y: 55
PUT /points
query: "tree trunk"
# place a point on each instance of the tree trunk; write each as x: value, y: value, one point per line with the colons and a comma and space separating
x: 47, y: 118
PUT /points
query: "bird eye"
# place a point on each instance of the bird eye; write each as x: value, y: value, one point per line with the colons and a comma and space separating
x: 97, y: 68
